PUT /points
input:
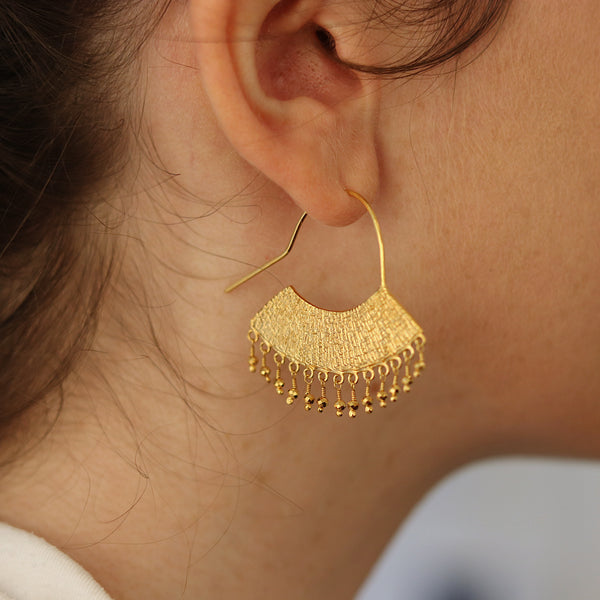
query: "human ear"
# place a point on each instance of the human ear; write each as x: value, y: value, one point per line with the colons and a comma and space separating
x: 286, y: 103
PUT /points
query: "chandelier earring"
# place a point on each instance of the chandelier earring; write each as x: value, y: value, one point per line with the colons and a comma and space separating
x: 376, y: 339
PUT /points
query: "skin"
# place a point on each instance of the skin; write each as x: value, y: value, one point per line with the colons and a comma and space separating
x: 192, y: 480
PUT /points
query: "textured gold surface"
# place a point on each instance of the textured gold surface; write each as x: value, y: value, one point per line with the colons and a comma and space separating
x: 340, y: 342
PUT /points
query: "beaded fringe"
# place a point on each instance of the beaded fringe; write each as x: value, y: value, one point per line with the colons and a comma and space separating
x: 399, y: 367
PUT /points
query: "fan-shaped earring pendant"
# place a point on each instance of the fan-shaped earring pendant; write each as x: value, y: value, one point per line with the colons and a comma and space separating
x: 376, y: 339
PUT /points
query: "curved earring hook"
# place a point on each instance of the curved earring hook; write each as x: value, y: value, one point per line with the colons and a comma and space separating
x: 377, y: 231
x: 272, y: 261
x: 295, y: 235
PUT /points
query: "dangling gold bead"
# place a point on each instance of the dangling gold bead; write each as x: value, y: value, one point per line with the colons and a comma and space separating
x: 264, y: 369
x: 382, y: 394
x: 252, y: 360
x: 309, y: 400
x: 394, y: 391
x: 279, y: 383
x: 322, y: 401
x: 293, y: 391
x: 266, y: 373
x: 340, y: 405
x: 419, y: 367
x: 407, y: 380
x: 352, y: 408
x: 353, y: 405
x: 292, y: 396
x: 367, y: 401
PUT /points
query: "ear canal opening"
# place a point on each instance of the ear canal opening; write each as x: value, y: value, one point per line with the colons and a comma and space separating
x: 326, y: 40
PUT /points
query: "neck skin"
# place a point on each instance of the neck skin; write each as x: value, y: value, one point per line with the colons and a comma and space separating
x: 276, y: 504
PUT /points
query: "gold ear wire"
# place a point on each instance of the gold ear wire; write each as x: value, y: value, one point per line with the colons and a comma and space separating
x: 377, y: 232
x: 272, y: 261
x: 295, y: 235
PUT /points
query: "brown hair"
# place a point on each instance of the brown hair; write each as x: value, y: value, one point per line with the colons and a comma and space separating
x: 63, y: 123
x: 430, y: 32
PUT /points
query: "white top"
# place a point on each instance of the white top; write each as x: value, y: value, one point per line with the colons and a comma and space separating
x: 32, y: 569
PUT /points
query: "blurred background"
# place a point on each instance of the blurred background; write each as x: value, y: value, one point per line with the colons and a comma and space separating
x: 510, y: 529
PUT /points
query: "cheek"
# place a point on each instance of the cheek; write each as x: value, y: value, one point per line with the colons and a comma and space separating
x: 515, y: 296
x: 495, y: 199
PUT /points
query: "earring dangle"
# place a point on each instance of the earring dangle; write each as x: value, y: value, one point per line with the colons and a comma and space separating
x: 377, y: 338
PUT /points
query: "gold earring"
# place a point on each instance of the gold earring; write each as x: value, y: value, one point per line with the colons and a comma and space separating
x: 376, y: 338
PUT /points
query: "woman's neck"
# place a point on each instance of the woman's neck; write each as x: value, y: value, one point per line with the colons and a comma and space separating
x: 157, y: 500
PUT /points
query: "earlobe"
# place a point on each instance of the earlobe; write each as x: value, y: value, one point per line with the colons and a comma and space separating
x: 286, y: 104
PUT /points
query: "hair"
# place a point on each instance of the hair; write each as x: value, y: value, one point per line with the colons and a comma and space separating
x: 64, y: 72
x: 431, y: 32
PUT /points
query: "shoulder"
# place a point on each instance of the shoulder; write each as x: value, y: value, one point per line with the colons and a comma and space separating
x: 33, y: 569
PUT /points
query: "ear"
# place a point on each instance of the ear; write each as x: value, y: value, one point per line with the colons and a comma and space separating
x: 287, y: 105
